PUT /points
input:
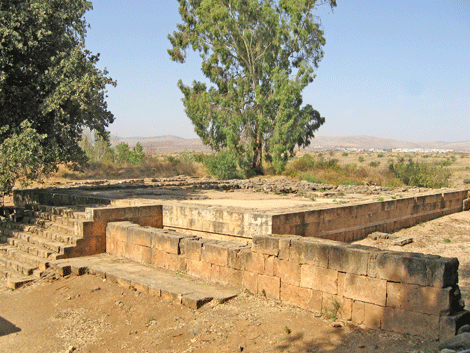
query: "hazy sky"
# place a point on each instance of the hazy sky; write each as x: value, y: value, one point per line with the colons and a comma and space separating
x: 392, y: 69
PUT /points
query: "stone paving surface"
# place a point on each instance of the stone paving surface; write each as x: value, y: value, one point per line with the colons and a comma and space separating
x: 176, y: 286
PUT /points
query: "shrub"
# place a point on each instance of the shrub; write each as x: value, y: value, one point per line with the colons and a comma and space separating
x: 374, y: 164
x: 223, y: 165
x: 421, y: 174
x: 361, y: 159
x: 466, y: 181
x: 345, y: 154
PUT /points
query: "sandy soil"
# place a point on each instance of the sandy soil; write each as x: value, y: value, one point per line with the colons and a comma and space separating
x: 85, y: 314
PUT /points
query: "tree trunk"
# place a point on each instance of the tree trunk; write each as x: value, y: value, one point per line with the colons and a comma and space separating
x: 258, y: 157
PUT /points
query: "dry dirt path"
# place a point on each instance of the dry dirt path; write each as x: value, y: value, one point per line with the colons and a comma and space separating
x: 95, y: 316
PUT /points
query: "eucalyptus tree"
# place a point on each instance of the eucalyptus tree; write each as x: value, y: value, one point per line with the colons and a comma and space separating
x: 48, y: 78
x: 259, y: 55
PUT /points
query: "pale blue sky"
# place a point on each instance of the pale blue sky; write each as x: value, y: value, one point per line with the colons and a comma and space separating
x: 392, y: 69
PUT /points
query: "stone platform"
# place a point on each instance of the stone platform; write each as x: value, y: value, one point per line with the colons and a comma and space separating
x: 169, y: 285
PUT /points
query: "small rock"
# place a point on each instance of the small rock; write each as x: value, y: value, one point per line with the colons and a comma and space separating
x: 459, y: 343
x: 194, y: 331
x: 95, y: 289
x: 240, y: 348
x: 447, y: 351
x: 337, y: 324
x: 464, y: 328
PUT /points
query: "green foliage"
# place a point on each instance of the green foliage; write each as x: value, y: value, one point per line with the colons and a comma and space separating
x: 21, y: 156
x: 125, y: 155
x: 374, y: 164
x: 48, y: 78
x: 345, y: 154
x: 420, y: 173
x: 361, y: 159
x: 259, y: 55
x: 466, y: 181
x: 222, y: 165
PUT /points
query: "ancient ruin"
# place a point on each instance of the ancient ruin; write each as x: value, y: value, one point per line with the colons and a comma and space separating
x: 300, y: 254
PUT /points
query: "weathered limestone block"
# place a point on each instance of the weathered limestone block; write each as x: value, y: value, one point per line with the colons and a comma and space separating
x: 427, y: 300
x: 250, y: 281
x: 310, y: 251
x: 192, y: 248
x: 410, y: 322
x: 424, y: 270
x: 287, y: 271
x: 266, y: 244
x: 251, y: 261
x: 349, y: 259
x: 365, y: 289
x: 167, y: 242
x: 269, y: 286
x: 215, y: 253
x: 199, y: 269
x: 318, y: 278
x: 304, y: 298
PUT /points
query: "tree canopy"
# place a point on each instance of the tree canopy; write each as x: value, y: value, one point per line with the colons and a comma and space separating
x: 48, y: 78
x: 259, y: 55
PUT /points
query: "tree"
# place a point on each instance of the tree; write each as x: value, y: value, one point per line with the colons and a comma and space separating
x: 21, y: 156
x: 48, y: 78
x: 260, y: 55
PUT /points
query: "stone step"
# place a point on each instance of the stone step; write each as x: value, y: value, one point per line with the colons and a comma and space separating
x: 45, y: 210
x: 146, y: 278
x: 17, y: 266
x: 57, y: 236
x: 32, y: 249
x: 13, y: 279
x: 27, y: 259
x: 39, y: 241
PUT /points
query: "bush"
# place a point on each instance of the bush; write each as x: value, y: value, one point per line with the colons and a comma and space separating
x: 361, y: 159
x: 223, y: 165
x: 466, y: 181
x: 374, y: 164
x: 421, y: 174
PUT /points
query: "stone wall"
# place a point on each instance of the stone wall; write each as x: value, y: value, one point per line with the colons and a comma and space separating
x: 402, y: 292
x: 219, y: 220
x: 349, y: 223
x: 93, y: 230
x: 54, y: 197
x: 341, y: 223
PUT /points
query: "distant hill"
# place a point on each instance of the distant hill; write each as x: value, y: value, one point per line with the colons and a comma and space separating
x: 170, y: 143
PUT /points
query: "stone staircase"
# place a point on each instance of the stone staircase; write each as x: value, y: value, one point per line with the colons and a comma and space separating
x: 32, y: 237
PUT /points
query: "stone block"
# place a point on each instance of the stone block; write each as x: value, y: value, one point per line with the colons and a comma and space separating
x: 215, y: 253
x: 287, y: 271
x: 199, y: 269
x: 230, y: 276
x: 192, y: 248
x: 166, y: 242
x: 251, y: 261
x: 365, y: 289
x: 266, y: 244
x: 318, y: 278
x: 358, y: 312
x: 250, y: 281
x: 310, y: 251
x: 269, y: 286
x: 140, y: 236
x: 412, y: 323
x: 304, y: 298
x: 427, y: 300
x: 412, y: 268
x: 349, y: 259
x: 269, y: 264
x: 173, y: 262
x: 448, y: 325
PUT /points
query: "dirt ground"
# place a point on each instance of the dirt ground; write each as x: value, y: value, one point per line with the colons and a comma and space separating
x: 86, y: 314
x: 89, y: 314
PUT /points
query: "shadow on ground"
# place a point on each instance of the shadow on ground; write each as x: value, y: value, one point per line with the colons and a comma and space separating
x: 7, y: 328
